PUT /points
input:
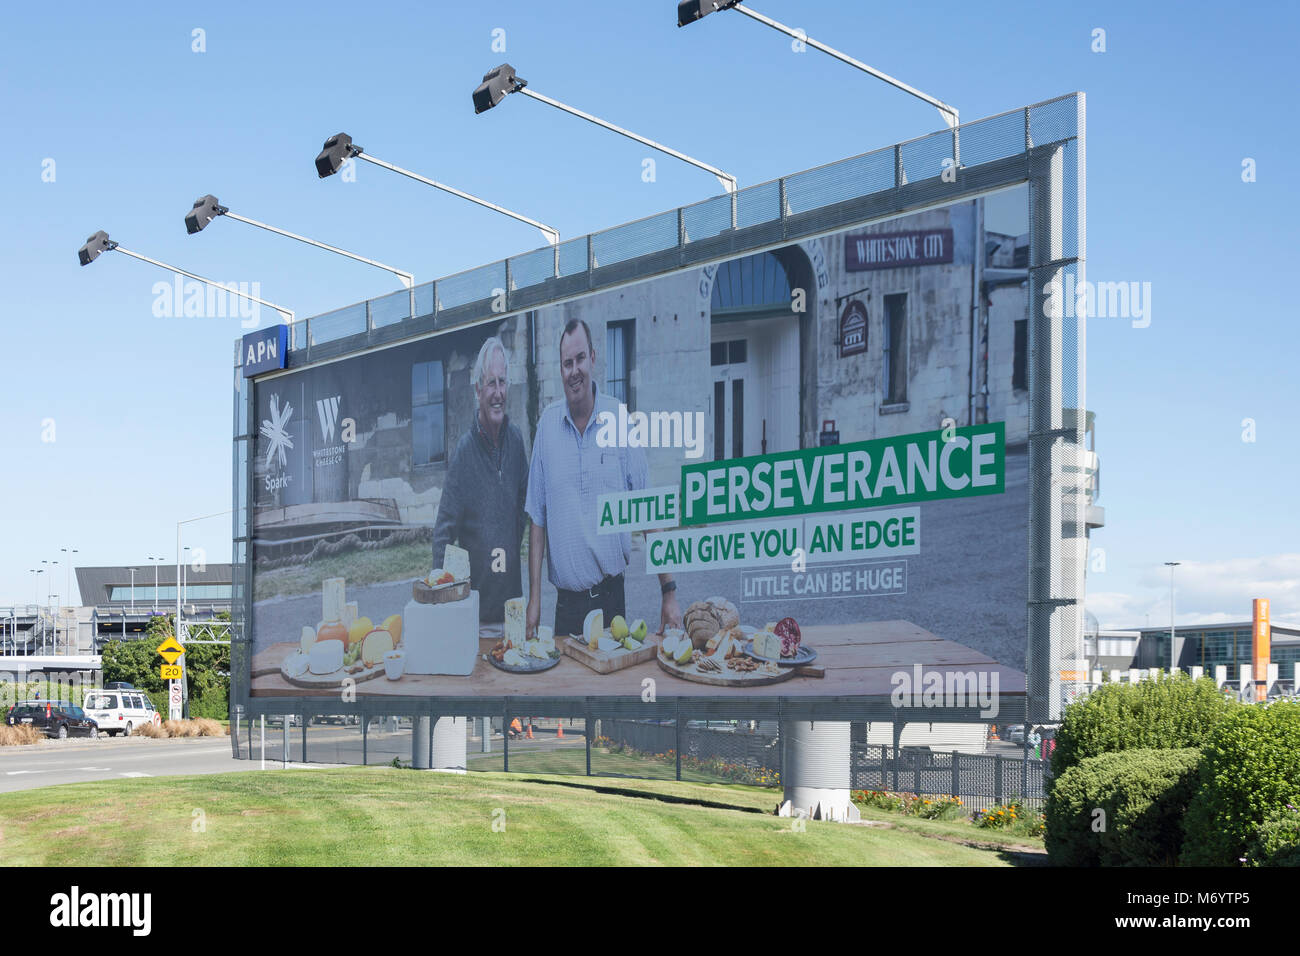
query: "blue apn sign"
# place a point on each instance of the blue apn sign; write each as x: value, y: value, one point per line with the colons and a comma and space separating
x: 264, y: 350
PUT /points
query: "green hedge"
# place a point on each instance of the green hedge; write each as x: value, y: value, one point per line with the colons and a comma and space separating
x: 1143, y: 795
x: 1250, y: 774
x: 1277, y: 841
x: 1168, y: 713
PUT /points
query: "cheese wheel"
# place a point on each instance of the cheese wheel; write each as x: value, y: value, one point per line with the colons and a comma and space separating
x: 593, y: 628
x: 325, y: 657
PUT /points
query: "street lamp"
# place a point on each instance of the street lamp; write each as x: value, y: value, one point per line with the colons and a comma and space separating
x: 688, y: 11
x: 206, y: 208
x: 49, y: 585
x: 100, y: 243
x: 1173, y: 661
x: 36, y: 590
x: 339, y: 148
x: 502, y: 81
x: 156, y: 561
x: 67, y: 573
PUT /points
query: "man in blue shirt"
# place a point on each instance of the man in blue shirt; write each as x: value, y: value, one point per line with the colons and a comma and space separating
x: 570, y: 470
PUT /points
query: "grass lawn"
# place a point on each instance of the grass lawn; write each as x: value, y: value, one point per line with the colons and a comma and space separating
x: 371, y: 815
x: 573, y: 760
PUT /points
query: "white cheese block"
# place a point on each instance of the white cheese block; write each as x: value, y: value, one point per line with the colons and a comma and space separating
x: 441, y: 638
x: 515, y: 622
x: 332, y: 602
x: 295, y: 665
x: 546, y: 634
x: 307, y: 640
x: 325, y: 657
x: 608, y: 644
x: 593, y: 627
x: 456, y: 560
x: 767, y: 644
x: 513, y: 658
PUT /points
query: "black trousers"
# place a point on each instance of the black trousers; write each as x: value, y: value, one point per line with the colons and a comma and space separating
x: 572, y: 607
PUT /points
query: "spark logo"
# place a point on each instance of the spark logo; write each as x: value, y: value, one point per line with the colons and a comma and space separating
x: 278, y: 439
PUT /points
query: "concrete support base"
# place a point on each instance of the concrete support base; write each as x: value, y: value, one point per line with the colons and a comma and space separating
x: 815, y: 770
x: 449, y: 735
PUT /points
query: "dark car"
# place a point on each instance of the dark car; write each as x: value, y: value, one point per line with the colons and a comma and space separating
x: 57, y: 718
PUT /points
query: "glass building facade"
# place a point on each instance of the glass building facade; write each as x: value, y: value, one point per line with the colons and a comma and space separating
x: 1210, y: 646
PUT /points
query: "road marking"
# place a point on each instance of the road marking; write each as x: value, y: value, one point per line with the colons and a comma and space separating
x: 135, y: 773
x: 99, y: 769
x: 14, y: 773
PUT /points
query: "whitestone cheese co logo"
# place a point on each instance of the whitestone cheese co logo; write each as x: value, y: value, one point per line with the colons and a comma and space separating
x: 328, y: 409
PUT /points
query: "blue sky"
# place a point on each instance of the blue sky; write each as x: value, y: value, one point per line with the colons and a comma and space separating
x: 138, y: 125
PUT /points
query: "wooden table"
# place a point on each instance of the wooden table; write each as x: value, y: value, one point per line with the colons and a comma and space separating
x: 859, y: 659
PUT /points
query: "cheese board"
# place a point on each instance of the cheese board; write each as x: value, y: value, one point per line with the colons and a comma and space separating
x: 608, y: 661
x: 329, y: 681
x: 423, y: 593
x: 725, y: 675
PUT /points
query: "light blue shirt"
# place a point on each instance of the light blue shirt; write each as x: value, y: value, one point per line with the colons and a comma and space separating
x: 569, y: 472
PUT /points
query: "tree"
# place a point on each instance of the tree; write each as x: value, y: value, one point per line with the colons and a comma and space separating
x: 207, y: 668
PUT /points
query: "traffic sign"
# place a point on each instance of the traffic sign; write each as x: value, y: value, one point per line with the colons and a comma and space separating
x: 171, y: 672
x: 175, y: 700
x: 170, y: 650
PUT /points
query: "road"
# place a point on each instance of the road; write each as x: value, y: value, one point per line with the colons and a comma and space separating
x: 78, y: 761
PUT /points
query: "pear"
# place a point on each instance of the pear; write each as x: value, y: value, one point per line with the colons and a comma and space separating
x: 618, y: 628
x: 639, y: 630
x: 684, y: 651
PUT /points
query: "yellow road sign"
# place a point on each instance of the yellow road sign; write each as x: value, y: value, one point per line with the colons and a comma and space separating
x: 170, y: 671
x: 170, y: 650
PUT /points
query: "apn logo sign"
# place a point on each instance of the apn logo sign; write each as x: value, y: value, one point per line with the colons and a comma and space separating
x: 264, y: 350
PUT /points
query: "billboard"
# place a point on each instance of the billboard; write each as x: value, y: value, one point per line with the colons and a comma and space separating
x: 801, y: 472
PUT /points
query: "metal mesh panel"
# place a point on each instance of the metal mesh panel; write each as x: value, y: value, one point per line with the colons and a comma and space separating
x: 335, y: 325
x: 471, y: 286
x: 1054, y: 120
x: 837, y: 182
x: 635, y: 239
x: 424, y: 298
x: 532, y: 268
x: 994, y: 138
x: 390, y: 309
x: 923, y: 158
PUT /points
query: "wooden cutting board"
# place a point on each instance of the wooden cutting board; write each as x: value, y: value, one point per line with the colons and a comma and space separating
x: 606, y: 662
x: 319, y: 681
x: 725, y: 677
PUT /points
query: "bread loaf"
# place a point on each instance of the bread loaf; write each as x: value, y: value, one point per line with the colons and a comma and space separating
x: 704, y: 619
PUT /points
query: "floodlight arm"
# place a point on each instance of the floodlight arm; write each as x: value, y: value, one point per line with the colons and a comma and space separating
x: 552, y: 235
x: 408, y: 280
x: 287, y: 313
x: 728, y: 181
x: 949, y: 113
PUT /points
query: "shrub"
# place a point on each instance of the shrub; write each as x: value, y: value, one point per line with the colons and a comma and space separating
x: 1277, y: 841
x: 200, y: 727
x: 19, y: 735
x: 1143, y: 795
x: 927, y: 808
x: 1167, y: 713
x: 1250, y: 771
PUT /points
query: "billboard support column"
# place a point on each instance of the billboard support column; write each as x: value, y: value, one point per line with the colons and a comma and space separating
x: 815, y: 770
x: 421, y: 743
x: 1047, y: 306
x: 449, y: 745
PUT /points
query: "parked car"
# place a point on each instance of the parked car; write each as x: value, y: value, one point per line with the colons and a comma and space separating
x: 120, y: 711
x: 1015, y: 734
x: 57, y: 718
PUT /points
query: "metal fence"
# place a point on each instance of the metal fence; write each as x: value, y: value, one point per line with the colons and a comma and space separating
x: 734, y: 751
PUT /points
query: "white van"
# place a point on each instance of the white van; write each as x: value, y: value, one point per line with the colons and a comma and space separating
x: 119, y: 711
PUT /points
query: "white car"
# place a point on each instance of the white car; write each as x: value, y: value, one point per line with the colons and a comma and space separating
x: 119, y: 711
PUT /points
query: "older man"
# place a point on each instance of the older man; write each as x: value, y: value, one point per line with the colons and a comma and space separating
x: 570, y: 471
x: 482, y: 506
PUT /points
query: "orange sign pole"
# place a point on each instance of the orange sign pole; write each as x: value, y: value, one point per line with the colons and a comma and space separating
x: 1260, y: 645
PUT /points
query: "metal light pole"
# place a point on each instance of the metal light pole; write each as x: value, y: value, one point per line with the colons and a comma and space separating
x: 688, y: 11
x: 206, y: 208
x: 179, y: 630
x: 100, y: 243
x: 1174, y: 654
x: 501, y: 81
x: 67, y: 576
x: 132, y: 570
x: 49, y: 586
x: 156, y: 562
x: 339, y: 148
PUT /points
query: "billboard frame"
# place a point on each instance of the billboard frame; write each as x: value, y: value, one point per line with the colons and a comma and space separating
x: 1048, y: 156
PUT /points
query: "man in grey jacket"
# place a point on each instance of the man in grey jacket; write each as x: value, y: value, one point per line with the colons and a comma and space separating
x: 482, y: 505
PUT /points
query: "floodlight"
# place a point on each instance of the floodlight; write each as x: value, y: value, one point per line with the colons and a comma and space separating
x: 688, y: 11
x: 336, y: 150
x: 96, y: 244
x: 206, y: 208
x: 496, y: 84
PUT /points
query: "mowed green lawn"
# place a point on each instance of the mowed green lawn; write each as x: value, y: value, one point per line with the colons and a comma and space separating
x: 378, y: 815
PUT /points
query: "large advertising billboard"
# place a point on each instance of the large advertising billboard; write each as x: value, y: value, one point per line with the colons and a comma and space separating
x: 800, y: 472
